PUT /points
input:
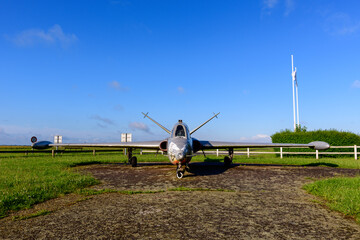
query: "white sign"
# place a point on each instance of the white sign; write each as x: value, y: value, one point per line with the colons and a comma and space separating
x: 126, y: 137
x: 57, y: 139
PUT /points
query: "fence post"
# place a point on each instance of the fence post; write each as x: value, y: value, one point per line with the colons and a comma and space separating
x: 281, y: 152
x: 355, y: 152
x: 317, y: 154
x: 53, y: 153
x: 217, y: 152
x: 140, y: 151
x: 248, y: 152
x: 94, y: 152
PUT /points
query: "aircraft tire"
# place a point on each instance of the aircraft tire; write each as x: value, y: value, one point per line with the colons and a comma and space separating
x: 133, y: 161
x: 179, y: 174
x: 227, y: 161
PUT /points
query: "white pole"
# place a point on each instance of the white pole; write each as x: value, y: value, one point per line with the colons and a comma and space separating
x: 248, y: 152
x: 281, y: 152
x: 355, y: 152
x: 293, y: 80
x: 297, y: 100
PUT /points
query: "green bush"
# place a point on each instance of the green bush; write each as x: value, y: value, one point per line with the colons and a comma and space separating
x: 333, y: 137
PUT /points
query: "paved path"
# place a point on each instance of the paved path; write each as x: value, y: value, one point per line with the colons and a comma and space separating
x: 266, y: 203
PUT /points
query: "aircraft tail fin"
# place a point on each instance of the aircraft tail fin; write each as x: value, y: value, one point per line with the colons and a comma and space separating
x: 164, y: 128
x: 215, y: 115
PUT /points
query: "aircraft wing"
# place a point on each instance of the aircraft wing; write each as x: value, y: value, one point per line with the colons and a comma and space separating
x: 144, y: 144
x: 318, y: 145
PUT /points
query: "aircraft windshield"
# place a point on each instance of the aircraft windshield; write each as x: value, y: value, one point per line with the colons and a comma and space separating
x: 180, y: 131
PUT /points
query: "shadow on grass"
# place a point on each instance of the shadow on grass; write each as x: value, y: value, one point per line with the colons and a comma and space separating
x: 154, y: 164
x: 207, y: 168
x: 85, y: 163
x: 319, y: 164
x: 212, y: 160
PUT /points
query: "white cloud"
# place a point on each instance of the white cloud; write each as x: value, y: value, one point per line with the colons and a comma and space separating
x: 118, y: 107
x: 289, y: 6
x: 52, y: 36
x: 2, y: 131
x: 257, y: 138
x: 341, y: 24
x: 20, y: 135
x: 117, y: 86
x: 268, y: 4
x: 356, y: 84
x: 139, y: 126
x: 102, y: 120
x: 181, y: 90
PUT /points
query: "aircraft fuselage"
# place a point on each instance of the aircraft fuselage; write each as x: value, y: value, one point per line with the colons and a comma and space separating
x: 180, y: 144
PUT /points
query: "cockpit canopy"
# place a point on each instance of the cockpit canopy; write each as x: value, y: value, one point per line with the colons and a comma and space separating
x: 180, y: 130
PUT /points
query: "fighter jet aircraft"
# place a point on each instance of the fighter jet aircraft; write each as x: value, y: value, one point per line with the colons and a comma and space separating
x: 180, y: 145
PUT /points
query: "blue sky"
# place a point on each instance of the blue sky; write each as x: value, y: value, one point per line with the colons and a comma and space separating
x: 87, y: 69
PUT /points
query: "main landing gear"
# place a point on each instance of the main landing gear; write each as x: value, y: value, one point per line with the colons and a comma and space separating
x: 132, y: 160
x: 228, y: 159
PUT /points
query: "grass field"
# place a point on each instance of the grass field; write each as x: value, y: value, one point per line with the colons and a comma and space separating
x: 37, y: 177
x: 340, y: 194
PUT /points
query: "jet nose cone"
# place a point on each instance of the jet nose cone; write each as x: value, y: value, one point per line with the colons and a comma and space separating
x: 179, y: 156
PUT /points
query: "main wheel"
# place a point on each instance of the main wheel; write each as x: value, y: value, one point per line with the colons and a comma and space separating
x: 133, y: 161
x: 179, y: 174
x: 227, y: 161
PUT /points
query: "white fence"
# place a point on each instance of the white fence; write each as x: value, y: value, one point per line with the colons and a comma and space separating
x: 281, y: 152
x: 247, y: 152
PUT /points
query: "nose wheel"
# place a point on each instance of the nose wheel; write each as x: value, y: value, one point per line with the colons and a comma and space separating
x: 180, y: 172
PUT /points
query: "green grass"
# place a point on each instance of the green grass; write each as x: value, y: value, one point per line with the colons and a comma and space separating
x: 37, y: 177
x: 348, y: 162
x: 341, y: 194
x: 27, y: 180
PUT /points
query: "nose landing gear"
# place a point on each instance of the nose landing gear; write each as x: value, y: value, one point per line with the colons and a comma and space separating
x: 180, y: 171
x: 179, y: 174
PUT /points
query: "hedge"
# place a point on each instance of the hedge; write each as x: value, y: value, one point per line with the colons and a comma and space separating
x: 333, y: 137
